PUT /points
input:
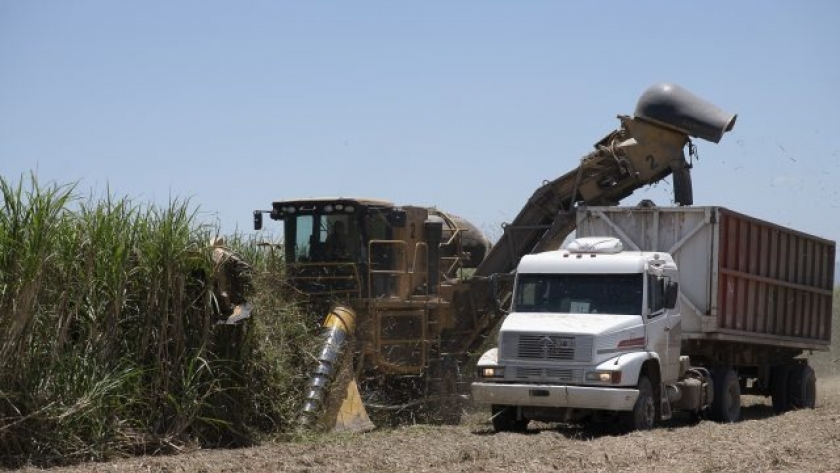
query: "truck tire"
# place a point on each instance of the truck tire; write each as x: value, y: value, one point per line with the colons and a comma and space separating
x: 643, y: 415
x: 505, y: 419
x: 802, y: 387
x: 779, y: 376
x: 726, y: 406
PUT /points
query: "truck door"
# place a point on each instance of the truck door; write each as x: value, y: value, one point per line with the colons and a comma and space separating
x: 663, y: 327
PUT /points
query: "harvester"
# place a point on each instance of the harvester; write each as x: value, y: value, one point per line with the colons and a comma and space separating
x: 409, y: 293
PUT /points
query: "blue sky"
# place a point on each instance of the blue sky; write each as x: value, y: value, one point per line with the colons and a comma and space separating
x: 467, y: 106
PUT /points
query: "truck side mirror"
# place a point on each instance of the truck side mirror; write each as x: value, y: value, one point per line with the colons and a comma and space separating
x: 258, y: 222
x: 672, y: 291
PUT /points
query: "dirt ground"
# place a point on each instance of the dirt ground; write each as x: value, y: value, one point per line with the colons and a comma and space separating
x: 796, y: 441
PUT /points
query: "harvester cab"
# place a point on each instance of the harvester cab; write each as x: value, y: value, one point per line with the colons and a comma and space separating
x: 325, y: 242
x: 346, y: 250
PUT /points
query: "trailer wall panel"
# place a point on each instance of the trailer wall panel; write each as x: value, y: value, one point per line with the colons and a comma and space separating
x: 739, y: 275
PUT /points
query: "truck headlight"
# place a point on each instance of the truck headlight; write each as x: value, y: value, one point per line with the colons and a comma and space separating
x: 612, y: 377
x: 491, y: 372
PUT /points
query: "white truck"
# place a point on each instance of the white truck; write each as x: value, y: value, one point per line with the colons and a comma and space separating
x: 653, y: 310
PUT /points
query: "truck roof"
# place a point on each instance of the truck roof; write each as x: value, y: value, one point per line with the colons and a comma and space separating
x: 564, y: 261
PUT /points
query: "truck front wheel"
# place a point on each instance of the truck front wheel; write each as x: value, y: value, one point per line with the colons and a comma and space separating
x: 505, y: 419
x: 643, y: 415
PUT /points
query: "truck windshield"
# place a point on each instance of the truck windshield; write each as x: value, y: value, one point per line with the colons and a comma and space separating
x: 579, y: 293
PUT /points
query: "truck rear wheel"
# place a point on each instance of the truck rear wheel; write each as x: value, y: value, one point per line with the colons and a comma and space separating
x: 779, y: 388
x: 726, y: 406
x: 643, y: 415
x: 802, y: 387
x: 505, y: 419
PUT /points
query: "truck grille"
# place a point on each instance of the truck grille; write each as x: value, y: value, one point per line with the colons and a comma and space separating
x: 549, y: 375
x: 547, y: 347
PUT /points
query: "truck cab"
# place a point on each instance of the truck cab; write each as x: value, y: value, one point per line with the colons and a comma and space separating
x: 593, y: 329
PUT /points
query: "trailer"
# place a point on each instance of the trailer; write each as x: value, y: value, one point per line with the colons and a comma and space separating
x: 751, y: 291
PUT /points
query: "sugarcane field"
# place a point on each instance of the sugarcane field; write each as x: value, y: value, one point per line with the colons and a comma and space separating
x: 98, y: 366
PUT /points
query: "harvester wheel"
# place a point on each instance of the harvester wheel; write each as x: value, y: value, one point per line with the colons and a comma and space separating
x: 802, y: 387
x: 505, y: 419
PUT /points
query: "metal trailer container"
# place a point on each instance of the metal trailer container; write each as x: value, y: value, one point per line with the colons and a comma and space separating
x: 752, y: 293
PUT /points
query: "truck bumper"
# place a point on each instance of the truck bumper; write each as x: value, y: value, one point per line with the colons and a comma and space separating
x: 576, y: 397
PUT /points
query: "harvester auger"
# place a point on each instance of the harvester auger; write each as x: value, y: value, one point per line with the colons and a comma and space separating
x: 410, y: 292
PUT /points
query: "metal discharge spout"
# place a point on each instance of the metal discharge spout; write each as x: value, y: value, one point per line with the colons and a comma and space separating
x: 647, y: 148
x: 671, y: 106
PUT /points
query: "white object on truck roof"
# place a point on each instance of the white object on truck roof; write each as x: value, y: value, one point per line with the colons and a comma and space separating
x: 595, y: 245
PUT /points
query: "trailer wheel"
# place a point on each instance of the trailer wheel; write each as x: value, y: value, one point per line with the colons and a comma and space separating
x: 802, y: 387
x: 779, y: 377
x: 643, y: 415
x: 726, y: 406
x: 505, y: 419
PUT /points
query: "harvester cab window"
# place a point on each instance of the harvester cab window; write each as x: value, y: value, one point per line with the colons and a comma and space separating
x: 382, y: 253
x: 378, y: 228
x: 339, y: 237
x: 324, y: 237
x: 302, y: 226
